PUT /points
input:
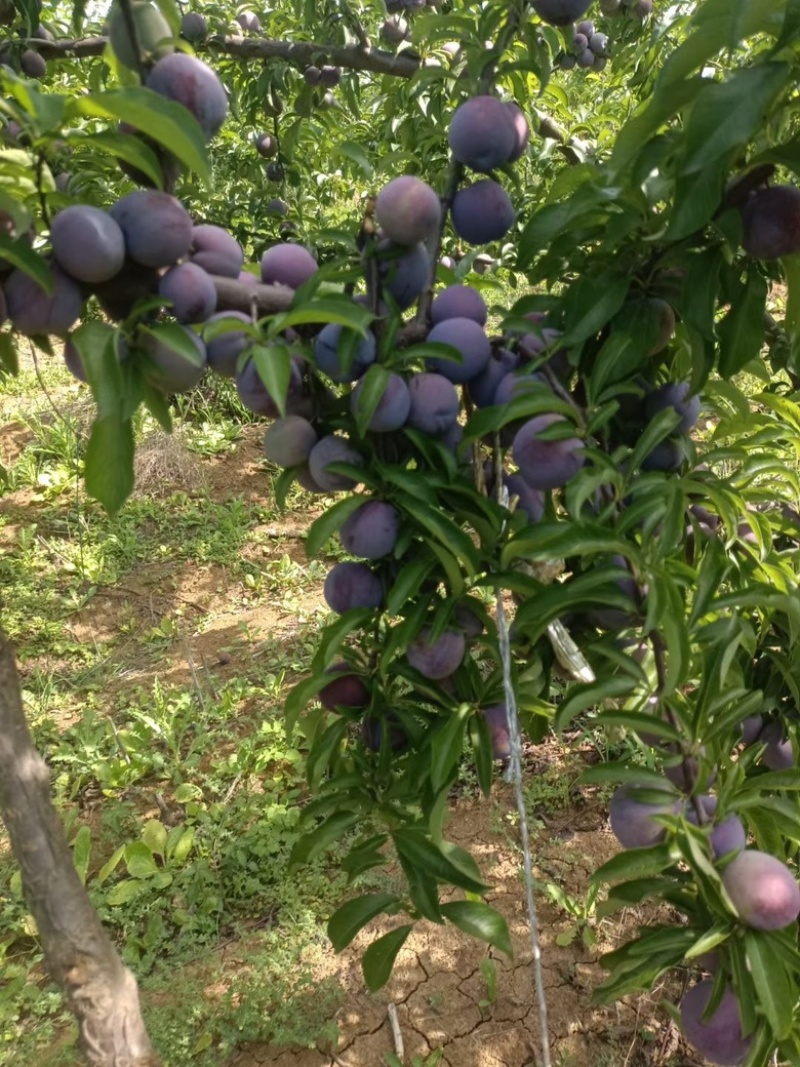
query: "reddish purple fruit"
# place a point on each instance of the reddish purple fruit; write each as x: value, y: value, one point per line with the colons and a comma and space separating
x: 408, y: 210
x: 194, y: 27
x: 719, y: 1038
x: 87, y: 243
x: 120, y: 294
x: 328, y: 450
x: 470, y: 341
x: 255, y: 396
x: 289, y: 440
x: 266, y: 145
x: 483, y: 387
x: 287, y: 264
x: 393, y: 406
x: 191, y: 292
x: 632, y: 818
x: 675, y: 395
x: 459, y: 302
x: 437, y: 659
x: 216, y: 251
x: 497, y: 720
x: 434, y: 403
x: 371, y: 532
x: 347, y: 690
x: 543, y: 463
x: 771, y: 223
x: 342, y: 354
x: 404, y: 271
x: 483, y: 133
x: 373, y: 731
x: 192, y: 83
x: 224, y: 349
x: 352, y: 585
x: 763, y: 890
x: 157, y: 228
x: 482, y: 212
x: 33, y: 312
x: 170, y: 370
x: 522, y: 131
x: 560, y: 12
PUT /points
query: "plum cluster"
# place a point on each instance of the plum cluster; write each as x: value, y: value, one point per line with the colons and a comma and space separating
x: 485, y: 133
x: 589, y: 49
x: 637, y: 9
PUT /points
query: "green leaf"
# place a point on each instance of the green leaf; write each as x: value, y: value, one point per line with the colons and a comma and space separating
x: 312, y: 844
x: 139, y: 860
x: 110, y: 865
x: 420, y: 852
x: 635, y: 863
x: 353, y: 915
x: 18, y: 252
x: 274, y: 366
x: 131, y: 149
x: 166, y: 122
x: 81, y: 849
x: 179, y: 851
x: 378, y: 960
x: 370, y: 393
x: 339, y: 310
x: 174, y: 336
x: 776, y: 988
x: 109, y: 462
x: 447, y: 748
x: 125, y: 891
x: 154, y: 835
x: 741, y: 332
x: 329, y: 522
x: 407, y: 583
x: 479, y: 920
x: 591, y: 303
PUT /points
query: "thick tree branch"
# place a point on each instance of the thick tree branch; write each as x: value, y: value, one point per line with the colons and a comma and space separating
x: 242, y: 296
x: 303, y: 53
x: 99, y: 990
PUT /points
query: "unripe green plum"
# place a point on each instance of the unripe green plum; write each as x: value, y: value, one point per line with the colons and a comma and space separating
x: 719, y: 1039
x: 289, y: 440
x: 763, y: 890
x: 372, y: 530
x: 438, y: 658
x: 87, y: 243
x: 482, y: 212
x: 153, y: 34
x: 482, y: 133
x: 408, y: 210
x: 192, y: 83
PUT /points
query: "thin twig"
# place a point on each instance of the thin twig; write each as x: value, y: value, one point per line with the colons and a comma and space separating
x: 397, y: 1034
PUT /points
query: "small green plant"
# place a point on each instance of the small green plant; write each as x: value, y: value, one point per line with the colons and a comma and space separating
x: 489, y: 975
x: 417, y: 1061
x: 582, y: 911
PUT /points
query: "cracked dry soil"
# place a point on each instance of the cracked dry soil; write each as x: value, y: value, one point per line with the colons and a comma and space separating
x: 441, y: 994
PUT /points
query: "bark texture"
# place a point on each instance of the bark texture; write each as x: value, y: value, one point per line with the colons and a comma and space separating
x: 233, y: 295
x: 303, y: 53
x: 99, y: 990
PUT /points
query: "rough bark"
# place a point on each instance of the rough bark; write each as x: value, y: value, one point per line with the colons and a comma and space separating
x: 303, y: 53
x: 99, y: 990
x: 241, y: 296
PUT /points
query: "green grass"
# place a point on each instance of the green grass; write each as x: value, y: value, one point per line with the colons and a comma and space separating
x: 181, y: 799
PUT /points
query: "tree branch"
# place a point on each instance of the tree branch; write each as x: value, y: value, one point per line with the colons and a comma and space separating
x: 303, y: 53
x: 99, y: 990
x: 233, y: 295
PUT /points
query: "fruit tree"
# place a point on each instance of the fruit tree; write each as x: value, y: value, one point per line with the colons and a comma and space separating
x: 567, y: 487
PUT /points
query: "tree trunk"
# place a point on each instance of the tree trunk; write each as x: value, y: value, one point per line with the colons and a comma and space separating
x: 99, y: 990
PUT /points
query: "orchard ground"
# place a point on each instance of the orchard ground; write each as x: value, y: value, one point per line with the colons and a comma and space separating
x: 156, y: 649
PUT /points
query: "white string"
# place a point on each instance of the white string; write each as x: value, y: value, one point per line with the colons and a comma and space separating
x: 514, y: 773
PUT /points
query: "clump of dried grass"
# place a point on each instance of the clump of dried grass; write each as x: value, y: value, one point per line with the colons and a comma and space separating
x: 164, y: 465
